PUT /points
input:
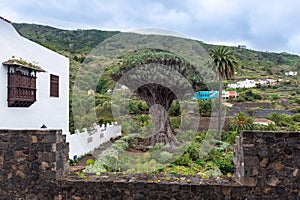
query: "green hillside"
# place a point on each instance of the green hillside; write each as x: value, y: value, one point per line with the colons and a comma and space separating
x: 73, y: 41
x: 284, y: 95
x: 77, y: 43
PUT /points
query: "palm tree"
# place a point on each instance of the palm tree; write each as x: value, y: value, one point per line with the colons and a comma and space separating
x: 241, y: 122
x: 224, y: 64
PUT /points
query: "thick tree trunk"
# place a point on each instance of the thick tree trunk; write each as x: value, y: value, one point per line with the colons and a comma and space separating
x: 159, y: 100
x: 162, y: 132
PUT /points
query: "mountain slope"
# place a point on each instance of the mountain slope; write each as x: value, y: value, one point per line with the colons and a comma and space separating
x: 75, y: 43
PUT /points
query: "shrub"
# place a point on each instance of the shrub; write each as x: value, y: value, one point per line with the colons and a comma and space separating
x: 274, y: 97
x: 175, y: 109
x: 143, y: 107
x: 240, y: 99
x: 296, y: 110
x: 184, y: 160
x: 297, y: 101
x: 175, y: 122
x: 225, y: 164
x: 144, y: 166
x: 143, y: 120
x: 281, y: 119
x: 185, y: 136
x: 200, y: 162
x: 251, y: 111
x: 131, y: 137
x: 106, y: 161
x: 250, y: 95
x: 271, y: 127
x: 221, y: 146
x: 229, y: 136
x: 296, y: 117
x: 199, y: 137
x: 164, y: 157
x: 205, y: 107
x: 129, y: 125
x: 293, y: 127
x: 249, y: 98
x: 194, y: 150
x: 121, y: 145
x: 90, y: 162
x: 137, y: 107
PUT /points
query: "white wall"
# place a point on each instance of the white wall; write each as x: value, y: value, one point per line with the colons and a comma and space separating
x: 85, y: 142
x: 54, y: 112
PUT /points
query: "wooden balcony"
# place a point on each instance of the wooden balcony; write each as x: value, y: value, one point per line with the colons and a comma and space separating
x: 21, y: 90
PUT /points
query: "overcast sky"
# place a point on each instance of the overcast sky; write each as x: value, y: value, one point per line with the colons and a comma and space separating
x: 267, y: 25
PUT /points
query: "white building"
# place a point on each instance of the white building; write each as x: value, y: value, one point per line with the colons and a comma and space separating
x: 243, y: 84
x: 229, y: 94
x: 265, y: 82
x: 290, y: 73
x: 34, y: 83
x: 246, y: 84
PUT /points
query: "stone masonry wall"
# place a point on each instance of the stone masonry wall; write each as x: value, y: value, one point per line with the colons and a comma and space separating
x: 31, y: 161
x: 268, y: 159
x: 105, y: 187
x: 34, y: 165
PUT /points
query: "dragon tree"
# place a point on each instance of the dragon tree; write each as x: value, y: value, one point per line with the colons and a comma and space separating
x: 158, y: 77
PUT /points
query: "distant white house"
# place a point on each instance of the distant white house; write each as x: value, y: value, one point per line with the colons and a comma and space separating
x: 265, y: 82
x: 34, y: 83
x: 243, y: 84
x: 291, y: 73
x: 229, y: 94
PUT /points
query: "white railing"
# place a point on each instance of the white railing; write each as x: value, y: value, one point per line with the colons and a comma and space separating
x: 84, y: 142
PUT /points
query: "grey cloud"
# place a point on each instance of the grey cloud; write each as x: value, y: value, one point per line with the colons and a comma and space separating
x: 264, y: 25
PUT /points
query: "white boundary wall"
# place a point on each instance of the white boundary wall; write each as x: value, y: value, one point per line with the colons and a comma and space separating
x: 84, y: 142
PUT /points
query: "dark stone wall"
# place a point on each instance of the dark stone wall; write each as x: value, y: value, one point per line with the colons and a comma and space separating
x: 269, y: 159
x: 267, y: 113
x: 31, y: 161
x: 34, y: 165
x: 260, y: 109
x: 107, y: 188
x: 263, y: 105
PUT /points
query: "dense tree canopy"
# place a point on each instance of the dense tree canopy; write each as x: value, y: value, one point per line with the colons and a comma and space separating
x: 158, y: 77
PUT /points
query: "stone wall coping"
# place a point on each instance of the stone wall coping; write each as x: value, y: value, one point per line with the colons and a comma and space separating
x: 149, y: 179
x: 29, y: 130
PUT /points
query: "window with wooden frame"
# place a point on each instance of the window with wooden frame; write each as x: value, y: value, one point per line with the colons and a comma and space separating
x: 54, y: 86
x: 21, y: 82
